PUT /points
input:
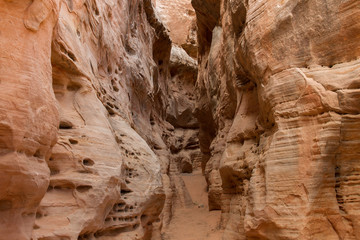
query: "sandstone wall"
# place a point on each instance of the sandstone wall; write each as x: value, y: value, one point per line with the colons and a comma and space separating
x: 94, y: 73
x: 28, y: 113
x: 182, y: 139
x: 277, y: 104
x: 179, y: 17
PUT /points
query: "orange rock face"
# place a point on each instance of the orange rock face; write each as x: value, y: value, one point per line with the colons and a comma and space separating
x: 179, y: 17
x: 94, y: 74
x: 275, y: 82
x: 105, y: 178
x: 28, y: 113
x: 86, y: 89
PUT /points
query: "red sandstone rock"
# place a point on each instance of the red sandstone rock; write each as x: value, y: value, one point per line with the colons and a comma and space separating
x: 104, y: 177
x: 179, y: 17
x: 275, y: 78
x: 96, y: 75
x: 28, y: 114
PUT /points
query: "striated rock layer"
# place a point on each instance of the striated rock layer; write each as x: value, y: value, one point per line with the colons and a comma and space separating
x: 84, y: 98
x: 278, y: 110
x: 105, y: 179
x: 97, y: 119
x: 28, y: 113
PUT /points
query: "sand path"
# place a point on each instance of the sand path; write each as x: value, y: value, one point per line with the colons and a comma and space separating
x: 195, y: 222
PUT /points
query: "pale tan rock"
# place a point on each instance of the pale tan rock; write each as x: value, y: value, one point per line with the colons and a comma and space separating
x: 105, y: 178
x: 179, y: 17
x: 181, y: 138
x: 278, y: 82
x: 110, y: 87
x: 183, y: 72
x: 274, y: 113
x: 28, y: 114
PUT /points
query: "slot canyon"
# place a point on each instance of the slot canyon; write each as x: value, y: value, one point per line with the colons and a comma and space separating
x: 179, y: 119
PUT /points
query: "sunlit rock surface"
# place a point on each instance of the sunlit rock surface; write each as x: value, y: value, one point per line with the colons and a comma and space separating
x: 179, y: 17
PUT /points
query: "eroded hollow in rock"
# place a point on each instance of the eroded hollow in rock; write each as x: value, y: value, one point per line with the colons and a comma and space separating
x: 88, y: 162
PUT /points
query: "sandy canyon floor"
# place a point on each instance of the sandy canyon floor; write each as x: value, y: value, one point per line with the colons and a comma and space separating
x: 195, y: 222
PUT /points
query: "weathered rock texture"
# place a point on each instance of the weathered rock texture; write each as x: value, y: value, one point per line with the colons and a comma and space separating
x: 179, y: 17
x: 88, y: 89
x: 96, y: 70
x: 182, y: 137
x: 278, y: 91
x: 28, y: 114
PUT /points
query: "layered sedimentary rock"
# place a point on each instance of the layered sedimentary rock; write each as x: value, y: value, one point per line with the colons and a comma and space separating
x: 278, y: 94
x: 88, y: 88
x: 96, y: 70
x: 185, y: 144
x: 182, y: 138
x: 28, y: 113
x: 179, y: 18
x: 109, y: 83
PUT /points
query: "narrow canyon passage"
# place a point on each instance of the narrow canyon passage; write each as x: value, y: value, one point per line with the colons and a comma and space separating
x: 190, y: 217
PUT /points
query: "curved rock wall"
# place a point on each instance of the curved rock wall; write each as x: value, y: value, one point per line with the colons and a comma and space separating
x: 109, y: 69
x: 277, y: 96
x: 94, y: 73
x: 28, y: 113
